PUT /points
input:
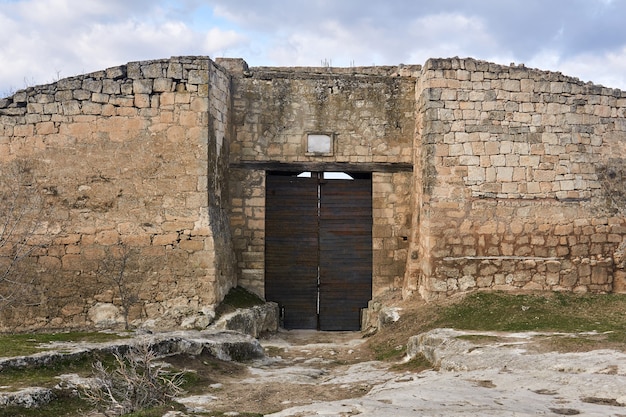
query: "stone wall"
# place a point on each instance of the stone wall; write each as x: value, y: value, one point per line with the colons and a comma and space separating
x: 391, y: 199
x: 483, y: 177
x: 133, y: 177
x: 370, y: 114
x: 248, y: 227
x: 223, y: 270
x: 369, y: 110
x: 518, y: 171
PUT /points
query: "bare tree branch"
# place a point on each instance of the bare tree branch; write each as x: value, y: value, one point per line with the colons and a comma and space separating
x: 117, y: 271
x: 21, y: 208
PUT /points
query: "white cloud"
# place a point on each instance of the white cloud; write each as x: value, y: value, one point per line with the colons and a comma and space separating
x: 52, y: 38
x: 581, y: 38
x: 331, y: 43
x: 608, y: 69
x: 452, y: 34
x: 109, y: 44
x: 218, y: 42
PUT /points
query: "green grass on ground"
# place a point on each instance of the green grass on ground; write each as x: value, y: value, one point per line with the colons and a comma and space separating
x: 555, y: 312
x: 28, y: 343
x: 237, y: 297
x: 499, y: 311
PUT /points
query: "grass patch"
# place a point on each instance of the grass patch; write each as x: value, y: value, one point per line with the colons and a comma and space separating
x: 617, y: 337
x: 417, y: 364
x: 559, y: 312
x: 274, y: 351
x: 604, y: 314
x: 574, y: 343
x: 44, y: 376
x: 158, y: 411
x: 237, y: 298
x: 61, y: 407
x: 479, y: 338
x: 386, y: 352
x: 29, y: 343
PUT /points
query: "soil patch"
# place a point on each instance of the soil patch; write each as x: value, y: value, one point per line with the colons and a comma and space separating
x: 206, y: 370
x: 302, y: 367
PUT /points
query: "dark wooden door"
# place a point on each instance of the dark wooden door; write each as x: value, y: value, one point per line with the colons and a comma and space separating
x: 291, y: 248
x: 318, y: 250
x: 345, y: 252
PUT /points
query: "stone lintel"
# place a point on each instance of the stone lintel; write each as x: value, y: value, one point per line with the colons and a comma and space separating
x: 324, y: 166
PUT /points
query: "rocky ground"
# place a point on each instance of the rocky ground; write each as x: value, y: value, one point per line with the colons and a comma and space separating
x: 302, y: 367
x: 307, y: 373
x: 332, y: 374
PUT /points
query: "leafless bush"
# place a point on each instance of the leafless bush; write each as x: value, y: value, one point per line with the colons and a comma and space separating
x: 21, y: 206
x: 115, y: 272
x: 137, y: 382
x: 123, y: 271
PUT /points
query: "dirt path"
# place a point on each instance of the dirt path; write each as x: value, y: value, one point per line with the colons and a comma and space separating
x: 302, y: 367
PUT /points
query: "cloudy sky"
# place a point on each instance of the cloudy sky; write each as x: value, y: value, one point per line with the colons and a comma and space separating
x: 44, y: 40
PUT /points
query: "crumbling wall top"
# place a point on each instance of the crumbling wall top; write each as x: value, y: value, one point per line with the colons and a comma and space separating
x: 233, y: 65
x: 405, y: 71
x: 516, y: 71
x: 178, y: 68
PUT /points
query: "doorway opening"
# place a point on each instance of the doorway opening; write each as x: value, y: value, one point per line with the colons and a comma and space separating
x: 318, y: 248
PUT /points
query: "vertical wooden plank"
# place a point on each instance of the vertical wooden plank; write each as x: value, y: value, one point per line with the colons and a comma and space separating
x: 345, y: 252
x: 291, y: 248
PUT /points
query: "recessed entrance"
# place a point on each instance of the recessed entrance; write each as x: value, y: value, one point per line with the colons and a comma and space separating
x: 318, y: 248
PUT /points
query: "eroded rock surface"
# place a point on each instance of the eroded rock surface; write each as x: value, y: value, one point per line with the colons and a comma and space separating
x: 500, y: 375
x: 306, y: 373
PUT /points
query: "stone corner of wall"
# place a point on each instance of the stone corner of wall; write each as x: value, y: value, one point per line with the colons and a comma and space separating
x: 445, y: 63
x: 233, y: 65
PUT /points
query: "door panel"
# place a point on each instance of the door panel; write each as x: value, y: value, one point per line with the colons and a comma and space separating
x: 291, y: 248
x: 345, y: 253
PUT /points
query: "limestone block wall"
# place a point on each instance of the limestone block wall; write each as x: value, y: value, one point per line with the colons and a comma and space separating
x: 419, y: 256
x: 391, y: 198
x: 248, y: 227
x: 519, y: 175
x: 132, y: 160
x: 157, y: 169
x: 369, y: 112
x: 223, y: 270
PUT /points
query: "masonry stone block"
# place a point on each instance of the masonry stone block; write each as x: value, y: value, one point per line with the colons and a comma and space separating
x: 142, y: 86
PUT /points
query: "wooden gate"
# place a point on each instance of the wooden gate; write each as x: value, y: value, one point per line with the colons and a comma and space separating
x: 291, y: 248
x: 318, y: 250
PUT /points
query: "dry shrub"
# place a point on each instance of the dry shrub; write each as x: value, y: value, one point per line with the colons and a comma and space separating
x: 136, y: 382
